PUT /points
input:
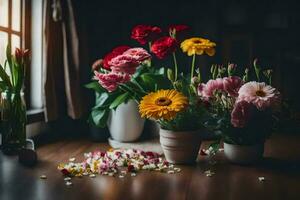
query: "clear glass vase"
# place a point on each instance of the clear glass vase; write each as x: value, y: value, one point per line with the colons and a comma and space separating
x: 13, y: 121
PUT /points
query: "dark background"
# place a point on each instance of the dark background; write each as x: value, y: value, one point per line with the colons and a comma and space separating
x: 243, y: 30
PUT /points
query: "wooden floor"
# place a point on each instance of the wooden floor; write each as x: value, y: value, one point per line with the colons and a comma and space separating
x: 280, y: 169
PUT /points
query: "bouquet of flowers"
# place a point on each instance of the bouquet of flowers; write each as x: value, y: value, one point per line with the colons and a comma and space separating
x: 241, y: 110
x: 123, y: 74
x: 178, y: 108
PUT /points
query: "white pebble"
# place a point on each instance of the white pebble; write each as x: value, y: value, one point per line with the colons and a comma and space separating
x: 261, y: 179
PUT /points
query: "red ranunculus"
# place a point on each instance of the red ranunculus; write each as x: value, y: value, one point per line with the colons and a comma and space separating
x: 145, y: 33
x: 178, y: 28
x: 114, y: 53
x: 164, y: 46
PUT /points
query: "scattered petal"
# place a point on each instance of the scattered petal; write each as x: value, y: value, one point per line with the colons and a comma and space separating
x: 67, y: 179
x: 92, y: 175
x: 72, y: 159
x: 261, y: 179
x: 69, y: 183
x: 43, y: 177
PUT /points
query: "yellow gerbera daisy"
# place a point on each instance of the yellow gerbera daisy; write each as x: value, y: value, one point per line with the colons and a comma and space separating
x: 163, y: 104
x: 197, y: 45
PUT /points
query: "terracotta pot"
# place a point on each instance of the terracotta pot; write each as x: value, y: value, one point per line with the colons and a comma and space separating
x: 125, y: 123
x: 244, y: 154
x: 180, y: 147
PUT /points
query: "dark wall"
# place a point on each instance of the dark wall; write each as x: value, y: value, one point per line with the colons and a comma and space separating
x: 243, y: 30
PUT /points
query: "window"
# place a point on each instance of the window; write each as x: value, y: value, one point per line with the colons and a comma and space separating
x: 21, y: 20
x: 11, y: 25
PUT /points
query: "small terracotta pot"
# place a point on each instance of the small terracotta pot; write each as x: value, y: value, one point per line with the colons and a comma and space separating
x: 180, y: 147
x: 244, y: 154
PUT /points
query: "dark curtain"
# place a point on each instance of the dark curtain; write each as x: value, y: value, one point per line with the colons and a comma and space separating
x: 65, y: 60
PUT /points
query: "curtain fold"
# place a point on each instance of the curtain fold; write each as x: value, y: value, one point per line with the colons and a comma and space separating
x: 64, y: 61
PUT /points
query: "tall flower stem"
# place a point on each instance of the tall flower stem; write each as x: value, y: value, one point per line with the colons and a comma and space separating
x: 193, y: 66
x: 149, y: 45
x: 175, y: 66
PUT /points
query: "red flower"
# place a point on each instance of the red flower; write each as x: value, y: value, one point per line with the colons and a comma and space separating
x: 178, y: 28
x: 145, y: 33
x: 114, y: 53
x: 164, y: 46
x: 22, y: 55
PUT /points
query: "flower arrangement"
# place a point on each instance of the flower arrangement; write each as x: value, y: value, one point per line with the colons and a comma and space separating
x: 123, y: 74
x: 241, y: 110
x: 179, y: 107
x: 13, y: 109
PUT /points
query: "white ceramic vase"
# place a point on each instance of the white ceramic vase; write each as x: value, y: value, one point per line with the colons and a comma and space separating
x: 244, y: 154
x: 125, y: 123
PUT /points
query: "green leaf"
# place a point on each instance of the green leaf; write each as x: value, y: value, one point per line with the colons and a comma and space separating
x: 4, y: 77
x: 119, y: 100
x: 100, y: 116
x: 95, y: 86
x: 151, y: 79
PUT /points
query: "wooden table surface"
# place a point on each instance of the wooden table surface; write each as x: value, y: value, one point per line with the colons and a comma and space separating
x: 233, y: 182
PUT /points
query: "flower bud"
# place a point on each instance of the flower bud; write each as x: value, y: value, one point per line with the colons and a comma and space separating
x: 97, y: 65
x: 170, y: 75
x: 195, y: 80
x: 231, y: 69
x: 178, y: 85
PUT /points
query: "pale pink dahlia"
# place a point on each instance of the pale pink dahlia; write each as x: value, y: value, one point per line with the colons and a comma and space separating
x: 232, y: 85
x: 111, y: 80
x: 260, y: 94
x: 207, y: 90
x: 241, y: 114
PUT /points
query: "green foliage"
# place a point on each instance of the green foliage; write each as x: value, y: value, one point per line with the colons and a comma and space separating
x: 146, y: 79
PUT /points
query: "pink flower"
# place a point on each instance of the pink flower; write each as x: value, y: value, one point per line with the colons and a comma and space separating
x: 232, y: 85
x: 241, y: 114
x: 260, y: 94
x: 139, y: 54
x: 207, y: 90
x: 124, y: 64
x: 111, y: 80
x: 129, y: 60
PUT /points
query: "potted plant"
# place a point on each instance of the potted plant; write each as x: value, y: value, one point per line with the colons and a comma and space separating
x: 178, y: 110
x: 12, y: 104
x: 241, y: 110
x: 120, y: 80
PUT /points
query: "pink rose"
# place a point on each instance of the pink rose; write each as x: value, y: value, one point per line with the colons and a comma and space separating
x: 207, y: 90
x: 241, y: 113
x: 232, y: 85
x: 111, y: 80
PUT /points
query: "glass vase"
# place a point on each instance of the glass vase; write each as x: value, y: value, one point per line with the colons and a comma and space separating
x: 13, y: 121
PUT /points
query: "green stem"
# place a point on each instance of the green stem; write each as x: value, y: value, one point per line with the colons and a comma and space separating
x: 149, y: 44
x: 175, y: 66
x: 193, y: 66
